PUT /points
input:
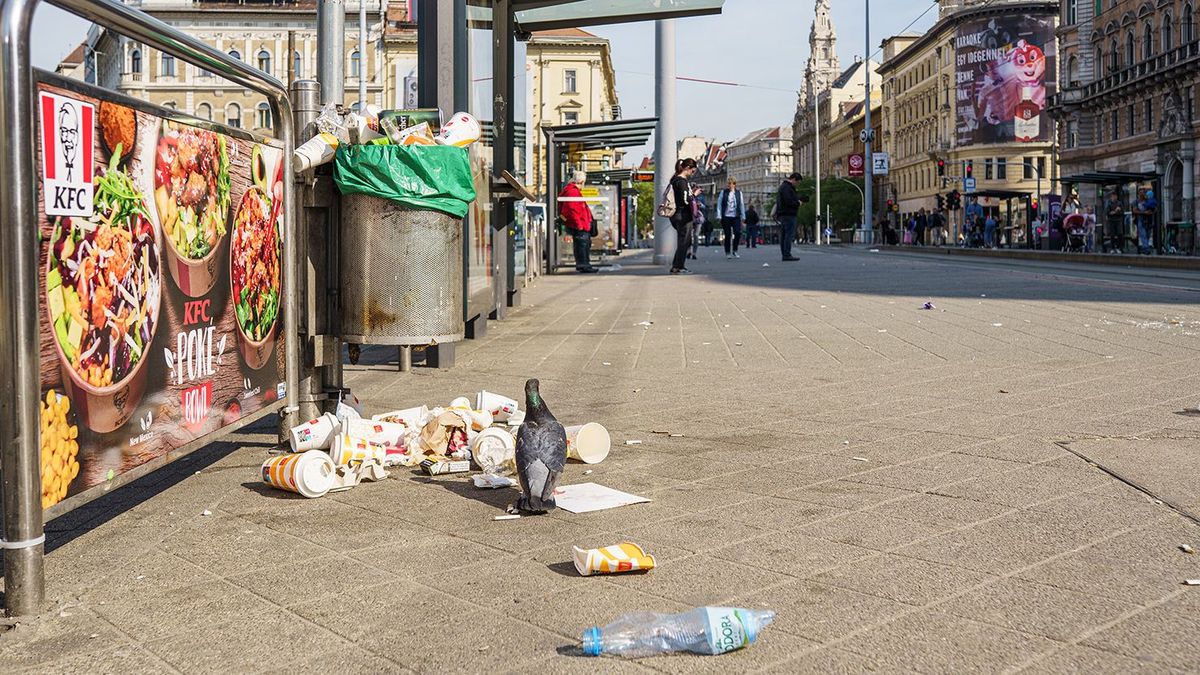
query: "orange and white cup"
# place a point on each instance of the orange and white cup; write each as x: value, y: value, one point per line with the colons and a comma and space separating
x: 461, y: 130
x: 349, y: 450
x: 501, y: 407
x: 623, y: 557
x: 309, y: 473
x: 588, y: 443
x: 315, y: 434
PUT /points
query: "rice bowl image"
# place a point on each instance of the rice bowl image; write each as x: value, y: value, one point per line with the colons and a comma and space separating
x: 103, y: 294
x: 191, y: 196
x: 254, y: 275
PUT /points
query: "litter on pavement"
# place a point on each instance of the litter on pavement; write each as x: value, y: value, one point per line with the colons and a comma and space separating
x: 588, y: 497
x: 623, y: 557
x: 1187, y: 549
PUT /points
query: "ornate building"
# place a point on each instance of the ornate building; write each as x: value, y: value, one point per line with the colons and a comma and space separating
x: 1127, y: 100
x: 759, y: 161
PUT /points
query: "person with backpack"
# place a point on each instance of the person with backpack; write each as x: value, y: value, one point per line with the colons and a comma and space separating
x: 751, y: 227
x: 733, y: 213
x: 677, y: 207
x: 787, y: 205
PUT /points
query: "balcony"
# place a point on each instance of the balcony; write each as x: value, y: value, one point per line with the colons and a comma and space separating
x: 1155, y: 65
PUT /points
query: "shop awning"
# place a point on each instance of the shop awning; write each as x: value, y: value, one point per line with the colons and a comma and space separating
x: 601, y: 135
x: 600, y: 12
x: 1109, y: 178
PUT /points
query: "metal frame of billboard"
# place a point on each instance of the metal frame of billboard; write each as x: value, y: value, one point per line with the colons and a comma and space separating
x: 23, y: 535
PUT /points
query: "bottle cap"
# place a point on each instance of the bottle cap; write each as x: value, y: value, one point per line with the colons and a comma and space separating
x: 591, y: 641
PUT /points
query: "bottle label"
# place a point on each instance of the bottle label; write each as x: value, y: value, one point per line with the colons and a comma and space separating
x: 726, y: 629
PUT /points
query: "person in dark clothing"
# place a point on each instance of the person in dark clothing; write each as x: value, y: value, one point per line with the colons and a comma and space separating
x: 1114, y: 224
x: 920, y: 224
x: 787, y: 205
x: 732, y: 210
x: 751, y: 227
x: 681, y: 220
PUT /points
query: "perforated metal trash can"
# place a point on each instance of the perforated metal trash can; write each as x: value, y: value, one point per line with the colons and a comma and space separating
x: 401, y: 274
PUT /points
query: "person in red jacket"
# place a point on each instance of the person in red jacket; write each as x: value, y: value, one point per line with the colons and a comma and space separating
x: 578, y: 218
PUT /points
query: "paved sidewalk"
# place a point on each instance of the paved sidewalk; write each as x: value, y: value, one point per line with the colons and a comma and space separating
x: 905, y: 488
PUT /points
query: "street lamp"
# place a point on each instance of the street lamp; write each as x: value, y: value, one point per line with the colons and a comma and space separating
x: 868, y: 131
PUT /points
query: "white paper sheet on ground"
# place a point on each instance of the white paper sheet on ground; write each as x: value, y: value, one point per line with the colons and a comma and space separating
x: 586, y: 497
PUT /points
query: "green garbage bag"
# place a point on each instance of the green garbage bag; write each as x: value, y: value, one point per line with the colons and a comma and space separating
x: 435, y: 177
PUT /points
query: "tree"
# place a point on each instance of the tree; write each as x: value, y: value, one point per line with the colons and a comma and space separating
x: 843, y: 200
x: 646, y: 207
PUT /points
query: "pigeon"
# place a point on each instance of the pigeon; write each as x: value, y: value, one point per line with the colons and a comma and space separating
x: 541, y: 454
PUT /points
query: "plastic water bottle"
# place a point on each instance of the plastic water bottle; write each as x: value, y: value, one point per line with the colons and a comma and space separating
x: 704, y: 630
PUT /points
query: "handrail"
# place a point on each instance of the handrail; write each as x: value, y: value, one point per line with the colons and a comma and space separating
x: 23, y: 533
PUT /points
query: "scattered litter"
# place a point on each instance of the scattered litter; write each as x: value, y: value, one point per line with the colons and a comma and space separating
x: 845, y: 442
x: 637, y: 390
x: 623, y: 557
x: 704, y: 630
x: 726, y: 325
x: 766, y: 264
x: 310, y: 473
x: 141, y: 576
x: 882, y: 330
x: 507, y: 516
x: 1187, y: 549
x: 611, y: 268
x: 860, y: 459
x: 633, y: 442
x: 645, y: 323
x: 928, y: 305
x: 1003, y: 391
x: 93, y: 636
x: 197, y: 473
x: 491, y: 482
x: 737, y: 344
x: 705, y: 343
x: 587, y: 497
x: 442, y: 467
x: 873, y: 250
x: 1191, y: 582
x: 206, y: 512
x: 588, y: 472
x: 997, y: 325
x: 605, y: 363
x: 589, y: 443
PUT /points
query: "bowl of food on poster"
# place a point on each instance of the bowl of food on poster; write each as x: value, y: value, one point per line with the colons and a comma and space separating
x: 255, y: 260
x: 192, y: 198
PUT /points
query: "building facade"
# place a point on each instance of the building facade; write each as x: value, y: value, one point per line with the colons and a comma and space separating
x: 1127, y: 101
x: 572, y: 82
x: 278, y: 37
x: 971, y: 93
x: 760, y: 160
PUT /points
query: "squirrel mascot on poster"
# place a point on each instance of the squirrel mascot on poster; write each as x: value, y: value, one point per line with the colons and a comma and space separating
x: 1024, y: 66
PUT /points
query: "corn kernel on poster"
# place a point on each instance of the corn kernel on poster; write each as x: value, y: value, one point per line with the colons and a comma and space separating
x: 160, y: 295
x: 1005, y: 74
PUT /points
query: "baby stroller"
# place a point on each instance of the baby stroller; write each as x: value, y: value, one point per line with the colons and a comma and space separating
x: 1075, y: 228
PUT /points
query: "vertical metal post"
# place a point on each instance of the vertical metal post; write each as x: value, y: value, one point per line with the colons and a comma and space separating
x: 503, y: 152
x: 20, y: 466
x: 331, y: 50
x: 817, y: 157
x: 869, y: 176
x: 362, y: 54
x: 551, y: 201
x: 664, y: 134
x: 290, y: 61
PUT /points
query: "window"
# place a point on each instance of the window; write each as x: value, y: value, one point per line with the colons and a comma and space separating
x: 1130, y: 52
x: 1167, y: 41
x: 264, y: 61
x: 570, y: 118
x: 569, y: 82
x: 264, y: 115
x: 235, y: 54
x: 988, y: 169
x: 1072, y: 13
x: 1149, y: 115
x: 1148, y: 41
x: 204, y: 111
x: 1073, y: 72
x: 1041, y: 165
x: 297, y: 65
x: 1129, y: 125
x: 135, y: 61
x: 1027, y: 169
x: 1186, y: 31
x: 167, y: 66
x: 1188, y: 102
x: 1114, y: 56
x: 233, y: 115
x: 355, y: 63
x: 1001, y: 168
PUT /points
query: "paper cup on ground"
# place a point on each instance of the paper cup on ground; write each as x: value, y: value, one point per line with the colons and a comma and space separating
x: 349, y: 450
x: 315, y: 434
x: 460, y: 403
x: 494, y: 450
x: 588, y: 443
x: 624, y: 557
x: 387, y: 434
x: 309, y: 473
x: 409, y: 417
x: 461, y: 130
x: 501, y: 407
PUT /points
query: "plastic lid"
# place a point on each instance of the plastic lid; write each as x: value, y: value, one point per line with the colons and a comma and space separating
x: 591, y: 641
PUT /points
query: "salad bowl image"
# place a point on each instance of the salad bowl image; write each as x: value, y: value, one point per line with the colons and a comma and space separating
x: 255, y: 285
x: 103, y: 294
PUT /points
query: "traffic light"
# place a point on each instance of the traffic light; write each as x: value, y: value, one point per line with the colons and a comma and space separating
x: 941, y: 168
x: 970, y: 168
x: 955, y: 200
x: 941, y: 202
x: 891, y: 203
x: 1033, y: 204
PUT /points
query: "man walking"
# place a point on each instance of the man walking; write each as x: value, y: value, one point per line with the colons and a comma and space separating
x: 787, y: 205
x: 733, y: 214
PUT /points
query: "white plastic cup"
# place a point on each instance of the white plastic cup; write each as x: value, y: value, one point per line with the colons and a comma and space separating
x: 315, y: 434
x: 460, y: 403
x: 409, y: 417
x: 316, y: 151
x: 588, y: 443
x: 501, y: 407
x: 494, y: 450
x: 310, y: 474
x: 460, y: 131
x: 386, y: 434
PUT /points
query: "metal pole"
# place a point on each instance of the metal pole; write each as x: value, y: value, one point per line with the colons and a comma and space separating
x: 664, y: 134
x: 20, y: 462
x: 817, y: 158
x: 331, y: 43
x: 362, y: 54
x: 869, y: 174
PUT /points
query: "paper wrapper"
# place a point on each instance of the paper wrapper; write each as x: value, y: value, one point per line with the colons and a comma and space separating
x: 624, y: 557
x: 437, y: 434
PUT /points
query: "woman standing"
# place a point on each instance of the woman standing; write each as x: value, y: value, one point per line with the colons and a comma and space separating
x: 733, y: 214
x: 682, y: 219
x: 578, y: 218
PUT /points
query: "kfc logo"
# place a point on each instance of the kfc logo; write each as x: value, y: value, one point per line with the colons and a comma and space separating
x: 67, y: 142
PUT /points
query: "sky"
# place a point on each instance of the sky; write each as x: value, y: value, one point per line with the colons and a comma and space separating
x: 759, y: 43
